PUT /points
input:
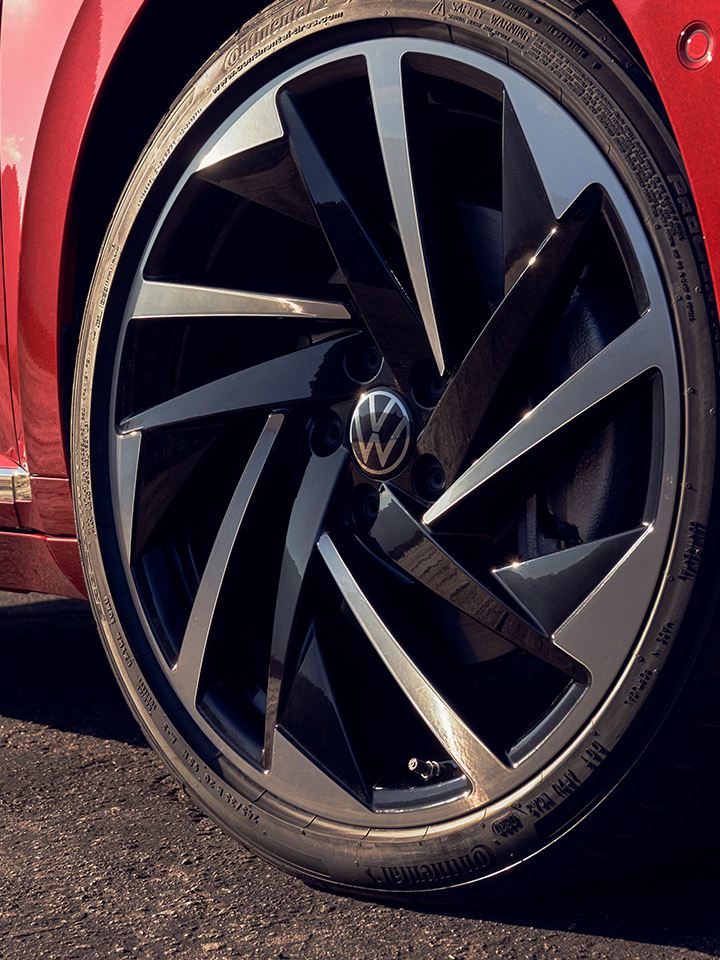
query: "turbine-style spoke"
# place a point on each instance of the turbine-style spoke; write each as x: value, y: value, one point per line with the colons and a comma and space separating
x: 374, y: 287
x: 186, y: 674
x: 527, y: 215
x: 295, y: 773
x: 483, y: 293
x: 158, y: 299
x: 413, y: 549
x: 127, y: 458
x: 254, y: 125
x: 386, y: 88
x: 304, y: 528
x: 632, y: 354
x: 481, y: 766
x: 313, y: 373
x: 551, y: 271
x: 564, y: 155
x: 550, y: 588
x: 311, y: 715
x: 597, y: 633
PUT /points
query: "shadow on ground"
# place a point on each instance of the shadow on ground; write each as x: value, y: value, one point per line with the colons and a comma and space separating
x: 54, y: 673
x: 680, y: 908
x: 54, y: 670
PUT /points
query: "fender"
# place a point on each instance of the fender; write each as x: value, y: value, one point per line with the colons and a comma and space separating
x: 56, y: 55
x: 692, y: 102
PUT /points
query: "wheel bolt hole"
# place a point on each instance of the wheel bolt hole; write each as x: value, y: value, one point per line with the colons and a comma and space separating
x: 326, y: 435
x: 364, y: 362
x: 429, y: 478
x: 365, y: 505
x: 427, y: 384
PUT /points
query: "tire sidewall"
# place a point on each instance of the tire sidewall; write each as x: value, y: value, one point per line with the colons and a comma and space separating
x: 561, y: 57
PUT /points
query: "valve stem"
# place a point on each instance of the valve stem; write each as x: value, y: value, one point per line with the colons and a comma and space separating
x: 425, y: 769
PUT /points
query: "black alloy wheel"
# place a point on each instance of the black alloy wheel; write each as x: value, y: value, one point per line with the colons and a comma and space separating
x: 380, y: 446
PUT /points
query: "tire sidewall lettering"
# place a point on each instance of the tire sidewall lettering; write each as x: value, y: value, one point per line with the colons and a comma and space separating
x: 494, y: 839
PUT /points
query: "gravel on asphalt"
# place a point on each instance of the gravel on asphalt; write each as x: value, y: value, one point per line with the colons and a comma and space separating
x: 102, y: 855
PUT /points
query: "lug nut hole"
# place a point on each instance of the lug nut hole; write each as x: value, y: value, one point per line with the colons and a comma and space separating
x: 326, y: 435
x: 365, y: 505
x: 364, y: 362
x: 427, y: 384
x: 429, y: 478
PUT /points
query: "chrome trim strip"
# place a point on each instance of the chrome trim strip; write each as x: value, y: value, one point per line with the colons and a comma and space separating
x: 15, y: 486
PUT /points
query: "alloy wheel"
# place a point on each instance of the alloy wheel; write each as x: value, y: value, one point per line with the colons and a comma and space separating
x: 395, y: 434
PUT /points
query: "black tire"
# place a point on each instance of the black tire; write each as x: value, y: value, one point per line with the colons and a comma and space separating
x: 640, y: 762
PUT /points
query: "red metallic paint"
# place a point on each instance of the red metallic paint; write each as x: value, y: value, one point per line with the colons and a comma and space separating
x: 50, y: 509
x: 8, y: 451
x: 8, y: 445
x: 31, y: 561
x: 691, y: 98
x: 54, y: 57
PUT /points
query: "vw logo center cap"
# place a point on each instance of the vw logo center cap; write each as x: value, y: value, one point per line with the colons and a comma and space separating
x: 380, y: 433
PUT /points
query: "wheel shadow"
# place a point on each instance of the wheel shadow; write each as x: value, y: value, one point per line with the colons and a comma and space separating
x: 670, y: 908
x: 54, y: 673
x: 54, y: 670
x: 665, y: 899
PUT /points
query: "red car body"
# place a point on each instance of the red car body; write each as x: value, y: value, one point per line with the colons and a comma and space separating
x: 56, y: 60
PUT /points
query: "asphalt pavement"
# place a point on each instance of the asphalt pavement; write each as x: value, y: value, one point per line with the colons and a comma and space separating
x: 102, y: 856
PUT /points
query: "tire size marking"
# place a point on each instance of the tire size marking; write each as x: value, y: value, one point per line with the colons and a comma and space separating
x: 208, y: 779
x: 539, y: 805
x: 594, y: 755
x: 566, y: 784
x: 170, y: 734
x: 640, y: 687
x: 663, y: 639
x: 146, y: 698
x: 692, y: 555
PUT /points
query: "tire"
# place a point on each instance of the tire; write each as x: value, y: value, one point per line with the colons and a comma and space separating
x: 579, y: 753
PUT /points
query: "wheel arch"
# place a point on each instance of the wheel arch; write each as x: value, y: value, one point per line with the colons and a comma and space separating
x: 152, y: 90
x: 81, y: 93
x: 92, y: 202
x: 137, y: 57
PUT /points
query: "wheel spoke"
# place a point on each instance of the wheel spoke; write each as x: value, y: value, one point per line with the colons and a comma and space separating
x: 526, y: 212
x: 175, y: 300
x: 312, y: 717
x: 503, y: 279
x: 313, y: 373
x: 411, y: 546
x: 371, y: 281
x: 597, y: 633
x: 304, y: 528
x: 127, y: 454
x: 632, y: 354
x: 482, y: 767
x: 299, y: 776
x: 186, y: 674
x: 564, y: 156
x: 453, y: 424
x: 253, y: 125
x: 550, y: 588
x: 386, y: 88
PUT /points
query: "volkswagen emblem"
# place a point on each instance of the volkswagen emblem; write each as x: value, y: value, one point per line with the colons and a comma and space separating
x: 380, y: 432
